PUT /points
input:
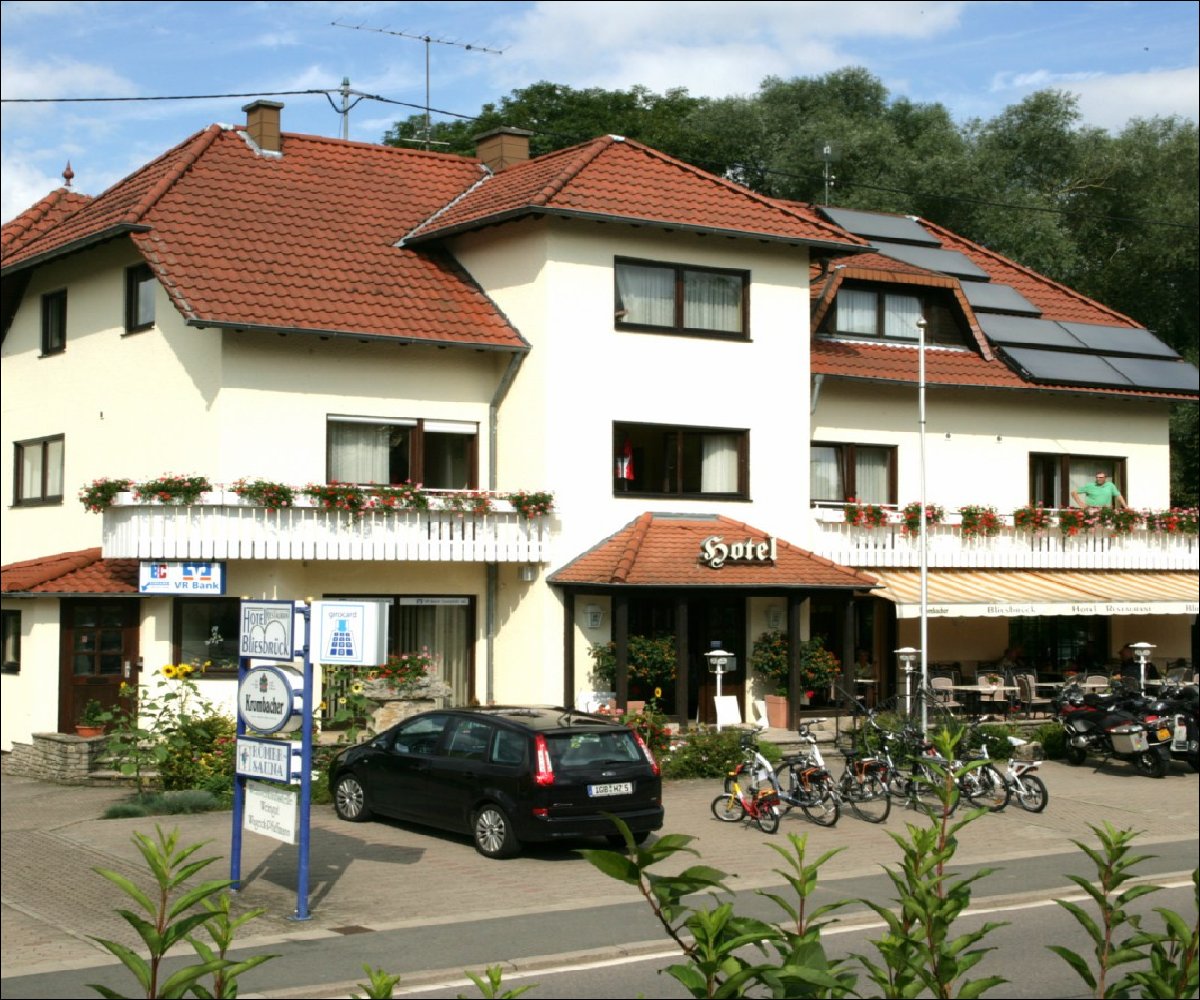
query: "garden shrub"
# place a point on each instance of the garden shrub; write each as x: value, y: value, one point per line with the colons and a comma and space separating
x: 1053, y: 739
x: 705, y: 753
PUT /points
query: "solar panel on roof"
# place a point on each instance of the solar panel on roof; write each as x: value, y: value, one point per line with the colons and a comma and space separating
x: 1026, y: 330
x: 945, y: 261
x: 1150, y: 373
x: 886, y: 227
x: 1119, y: 339
x: 1067, y: 368
x: 989, y: 296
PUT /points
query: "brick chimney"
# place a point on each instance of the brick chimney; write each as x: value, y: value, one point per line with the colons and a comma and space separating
x: 262, y: 124
x: 502, y: 147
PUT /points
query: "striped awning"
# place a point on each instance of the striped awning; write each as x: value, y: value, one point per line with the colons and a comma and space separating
x: 1015, y: 593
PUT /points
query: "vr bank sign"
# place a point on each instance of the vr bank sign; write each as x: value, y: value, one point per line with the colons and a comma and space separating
x: 181, y: 578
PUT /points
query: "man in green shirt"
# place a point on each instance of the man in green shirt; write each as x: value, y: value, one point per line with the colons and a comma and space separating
x: 1101, y: 493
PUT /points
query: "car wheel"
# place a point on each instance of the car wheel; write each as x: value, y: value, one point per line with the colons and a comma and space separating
x: 349, y: 800
x: 493, y: 833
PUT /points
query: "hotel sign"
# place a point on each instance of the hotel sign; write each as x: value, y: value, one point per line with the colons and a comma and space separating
x: 715, y: 552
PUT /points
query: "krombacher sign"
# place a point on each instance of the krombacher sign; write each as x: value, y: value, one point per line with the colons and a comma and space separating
x: 715, y: 552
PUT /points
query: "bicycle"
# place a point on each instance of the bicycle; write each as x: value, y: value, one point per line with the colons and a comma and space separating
x: 761, y: 805
x: 1027, y: 789
x: 923, y: 774
x: 803, y: 781
x: 984, y: 785
x: 863, y: 786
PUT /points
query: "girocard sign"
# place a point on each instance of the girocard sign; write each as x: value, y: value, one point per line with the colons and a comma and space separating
x: 272, y: 760
x: 272, y: 811
x: 715, y: 552
x: 269, y: 699
x: 350, y: 632
x: 266, y: 630
x: 181, y: 578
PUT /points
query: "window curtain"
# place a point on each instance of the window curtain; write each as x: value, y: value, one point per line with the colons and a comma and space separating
x: 712, y: 301
x: 718, y: 463
x: 31, y: 472
x: 54, y: 468
x: 856, y: 311
x: 647, y: 294
x: 825, y: 474
x: 871, y: 474
x: 1083, y: 471
x: 441, y: 628
x: 901, y: 313
x: 358, y: 453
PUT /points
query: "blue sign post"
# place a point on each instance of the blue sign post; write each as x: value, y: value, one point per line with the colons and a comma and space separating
x: 266, y: 705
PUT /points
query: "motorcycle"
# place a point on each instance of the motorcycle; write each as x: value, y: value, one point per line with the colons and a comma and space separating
x: 1118, y: 726
x: 1181, y: 705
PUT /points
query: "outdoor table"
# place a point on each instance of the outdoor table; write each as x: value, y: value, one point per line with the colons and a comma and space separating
x: 978, y: 691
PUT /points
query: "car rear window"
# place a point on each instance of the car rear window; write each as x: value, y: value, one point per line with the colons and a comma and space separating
x: 568, y: 750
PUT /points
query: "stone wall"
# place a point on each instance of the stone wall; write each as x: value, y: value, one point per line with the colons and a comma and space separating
x: 60, y: 757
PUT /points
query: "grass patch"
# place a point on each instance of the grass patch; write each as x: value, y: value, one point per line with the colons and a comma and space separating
x: 176, y: 803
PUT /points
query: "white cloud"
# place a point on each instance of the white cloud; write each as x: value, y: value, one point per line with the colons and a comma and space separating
x: 59, y: 77
x: 1109, y: 100
x: 24, y: 183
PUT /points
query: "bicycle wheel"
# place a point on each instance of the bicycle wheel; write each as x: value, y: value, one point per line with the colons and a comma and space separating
x: 788, y: 783
x: 868, y: 798
x: 985, y: 787
x: 820, y: 801
x: 923, y: 792
x: 728, y: 808
x: 767, y: 816
x: 1033, y: 795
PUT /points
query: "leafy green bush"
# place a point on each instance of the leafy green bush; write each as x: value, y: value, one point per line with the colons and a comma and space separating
x: 1053, y: 739
x: 200, y: 756
x: 705, y: 753
x: 651, y: 663
x: 175, y: 803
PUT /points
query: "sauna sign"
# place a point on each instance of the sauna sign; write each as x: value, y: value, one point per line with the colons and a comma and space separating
x: 715, y: 552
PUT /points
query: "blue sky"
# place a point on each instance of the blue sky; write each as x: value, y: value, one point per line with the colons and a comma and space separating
x: 1123, y: 59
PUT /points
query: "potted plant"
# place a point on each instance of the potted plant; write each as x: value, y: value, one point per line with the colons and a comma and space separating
x: 817, y: 671
x: 264, y: 493
x: 170, y: 488
x: 912, y: 516
x: 527, y: 504
x: 92, y: 720
x: 979, y: 522
x: 1032, y: 517
x: 863, y: 515
x: 100, y: 493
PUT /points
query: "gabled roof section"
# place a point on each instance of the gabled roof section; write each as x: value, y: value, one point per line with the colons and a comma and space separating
x: 663, y: 550
x: 39, y: 218
x: 620, y: 180
x: 81, y: 572
x: 298, y: 242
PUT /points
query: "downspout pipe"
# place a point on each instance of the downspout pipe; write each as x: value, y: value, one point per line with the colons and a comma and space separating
x: 492, y: 590
x: 817, y: 382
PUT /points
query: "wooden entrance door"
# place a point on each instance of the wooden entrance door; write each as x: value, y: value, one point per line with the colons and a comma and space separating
x: 721, y: 620
x: 99, y: 651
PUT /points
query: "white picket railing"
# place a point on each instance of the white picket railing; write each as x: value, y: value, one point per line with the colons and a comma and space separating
x: 888, y: 545
x: 223, y: 526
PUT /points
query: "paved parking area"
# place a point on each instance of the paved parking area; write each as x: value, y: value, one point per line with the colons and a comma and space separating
x: 384, y: 875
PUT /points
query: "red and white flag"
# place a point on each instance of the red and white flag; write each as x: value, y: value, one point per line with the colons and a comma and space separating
x: 625, y: 461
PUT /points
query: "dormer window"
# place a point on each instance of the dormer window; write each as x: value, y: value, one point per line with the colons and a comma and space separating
x: 872, y: 313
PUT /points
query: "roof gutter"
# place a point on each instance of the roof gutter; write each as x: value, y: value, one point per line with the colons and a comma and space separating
x: 103, y: 236
x: 201, y: 324
x: 526, y: 210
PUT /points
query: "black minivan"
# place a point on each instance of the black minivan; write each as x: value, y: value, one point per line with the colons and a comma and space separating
x: 506, y: 775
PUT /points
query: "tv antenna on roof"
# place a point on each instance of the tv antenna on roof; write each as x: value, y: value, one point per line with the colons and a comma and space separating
x: 830, y: 154
x: 428, y: 40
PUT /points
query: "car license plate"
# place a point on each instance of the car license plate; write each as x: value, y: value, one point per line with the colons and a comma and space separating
x: 612, y: 788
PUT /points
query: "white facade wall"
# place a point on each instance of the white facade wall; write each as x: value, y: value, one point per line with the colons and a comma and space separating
x: 978, y: 442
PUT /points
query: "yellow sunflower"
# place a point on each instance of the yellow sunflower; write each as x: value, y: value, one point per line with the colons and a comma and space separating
x: 169, y: 672
x: 356, y: 687
x: 185, y: 669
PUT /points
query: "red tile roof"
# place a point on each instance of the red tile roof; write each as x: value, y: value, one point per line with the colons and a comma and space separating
x: 620, y: 179
x: 40, y: 218
x: 304, y: 241
x: 82, y: 572
x: 893, y: 362
x: 659, y: 550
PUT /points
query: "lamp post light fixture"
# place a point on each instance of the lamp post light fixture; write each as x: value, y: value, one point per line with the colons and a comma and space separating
x: 907, y: 654
x: 1141, y: 652
x: 718, y: 663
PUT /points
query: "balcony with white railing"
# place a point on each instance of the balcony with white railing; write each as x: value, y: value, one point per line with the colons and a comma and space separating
x: 1011, y: 547
x: 223, y: 525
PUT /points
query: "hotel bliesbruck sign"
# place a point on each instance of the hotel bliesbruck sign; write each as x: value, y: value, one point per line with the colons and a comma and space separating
x: 715, y: 552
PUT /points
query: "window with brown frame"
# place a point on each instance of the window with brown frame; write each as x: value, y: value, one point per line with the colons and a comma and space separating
x: 204, y: 633
x: 438, y: 454
x: 678, y: 298
x: 140, y: 286
x: 660, y: 460
x: 890, y: 312
x: 38, y: 471
x: 866, y: 472
x: 54, y: 322
x: 1053, y: 478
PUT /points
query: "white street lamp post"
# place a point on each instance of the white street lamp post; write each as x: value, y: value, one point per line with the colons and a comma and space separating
x: 924, y: 529
x: 1141, y: 650
x: 907, y: 655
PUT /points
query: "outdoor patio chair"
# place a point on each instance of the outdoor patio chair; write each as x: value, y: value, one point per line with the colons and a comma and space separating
x: 1031, y: 701
x: 943, y: 693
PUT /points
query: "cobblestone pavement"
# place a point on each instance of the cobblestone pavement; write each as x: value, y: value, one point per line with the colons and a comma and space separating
x: 383, y: 876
